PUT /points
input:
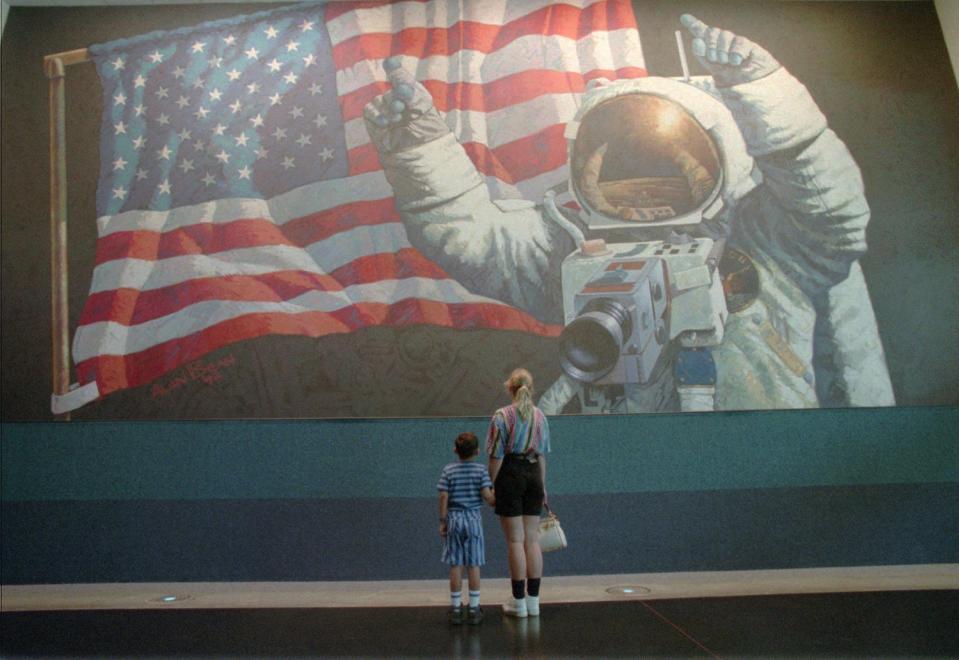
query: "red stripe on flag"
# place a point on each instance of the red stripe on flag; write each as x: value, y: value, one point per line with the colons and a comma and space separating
x: 323, y: 224
x: 404, y: 263
x: 201, y: 238
x: 131, y: 307
x: 559, y: 20
x: 336, y: 9
x: 494, y: 95
x: 363, y: 159
x: 511, y: 162
x: 115, y: 372
x: 521, y: 159
x: 207, y: 238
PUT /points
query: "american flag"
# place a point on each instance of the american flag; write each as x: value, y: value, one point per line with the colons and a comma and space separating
x: 239, y: 194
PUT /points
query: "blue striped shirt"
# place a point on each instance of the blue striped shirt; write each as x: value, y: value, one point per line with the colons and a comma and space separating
x: 463, y: 481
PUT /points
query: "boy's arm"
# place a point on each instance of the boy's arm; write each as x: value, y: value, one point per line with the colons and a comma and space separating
x: 444, y: 503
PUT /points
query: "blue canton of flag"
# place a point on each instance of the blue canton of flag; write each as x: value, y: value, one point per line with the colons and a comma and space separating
x: 242, y: 107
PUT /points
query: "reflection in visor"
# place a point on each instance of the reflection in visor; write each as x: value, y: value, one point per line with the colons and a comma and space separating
x: 643, y: 158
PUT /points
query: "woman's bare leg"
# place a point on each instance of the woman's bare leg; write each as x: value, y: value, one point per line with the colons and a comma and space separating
x: 513, y: 529
x: 531, y: 549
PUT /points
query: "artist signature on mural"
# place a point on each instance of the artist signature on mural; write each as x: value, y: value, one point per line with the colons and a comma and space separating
x: 202, y: 371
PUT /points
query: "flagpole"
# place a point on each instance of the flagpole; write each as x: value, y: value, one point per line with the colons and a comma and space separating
x: 55, y: 69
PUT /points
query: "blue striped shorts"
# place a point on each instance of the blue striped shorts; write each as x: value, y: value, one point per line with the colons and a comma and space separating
x: 463, y: 545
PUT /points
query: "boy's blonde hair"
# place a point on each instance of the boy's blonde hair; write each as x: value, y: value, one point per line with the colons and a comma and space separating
x: 520, y: 387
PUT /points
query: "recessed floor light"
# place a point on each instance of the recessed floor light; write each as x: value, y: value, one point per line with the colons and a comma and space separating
x: 170, y: 598
x: 627, y: 590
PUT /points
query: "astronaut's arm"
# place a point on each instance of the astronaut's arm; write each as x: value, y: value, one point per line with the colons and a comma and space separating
x: 812, y: 183
x: 813, y: 188
x: 504, y: 249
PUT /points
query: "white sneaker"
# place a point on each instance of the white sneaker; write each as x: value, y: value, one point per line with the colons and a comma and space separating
x: 514, y: 607
x: 532, y: 605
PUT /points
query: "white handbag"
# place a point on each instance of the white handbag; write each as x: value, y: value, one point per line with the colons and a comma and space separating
x: 551, y: 535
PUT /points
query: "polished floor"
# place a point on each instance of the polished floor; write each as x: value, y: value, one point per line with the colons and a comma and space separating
x: 901, y: 624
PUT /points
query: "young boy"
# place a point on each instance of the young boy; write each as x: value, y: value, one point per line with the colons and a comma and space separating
x: 463, y: 486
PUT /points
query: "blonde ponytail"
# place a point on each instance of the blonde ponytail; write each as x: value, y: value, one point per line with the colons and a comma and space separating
x: 520, y: 387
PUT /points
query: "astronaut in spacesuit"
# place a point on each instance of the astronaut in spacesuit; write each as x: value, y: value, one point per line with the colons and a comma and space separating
x: 743, y: 160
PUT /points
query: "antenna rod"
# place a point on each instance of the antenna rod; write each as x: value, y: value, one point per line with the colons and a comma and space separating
x: 682, y: 55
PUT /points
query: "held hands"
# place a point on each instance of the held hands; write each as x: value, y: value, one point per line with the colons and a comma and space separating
x: 405, y: 116
x: 729, y: 58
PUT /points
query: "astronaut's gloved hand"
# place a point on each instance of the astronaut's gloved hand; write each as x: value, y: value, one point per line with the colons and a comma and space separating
x: 403, y: 117
x: 729, y: 58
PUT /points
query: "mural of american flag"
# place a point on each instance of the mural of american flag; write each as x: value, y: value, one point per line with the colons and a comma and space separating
x: 239, y: 194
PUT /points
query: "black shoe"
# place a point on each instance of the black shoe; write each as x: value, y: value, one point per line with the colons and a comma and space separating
x: 474, y: 615
x: 455, y: 615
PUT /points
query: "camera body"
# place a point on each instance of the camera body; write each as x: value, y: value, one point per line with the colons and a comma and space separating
x: 624, y: 303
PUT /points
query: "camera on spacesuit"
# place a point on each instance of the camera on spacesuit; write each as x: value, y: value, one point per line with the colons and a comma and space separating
x: 644, y: 169
x: 625, y: 303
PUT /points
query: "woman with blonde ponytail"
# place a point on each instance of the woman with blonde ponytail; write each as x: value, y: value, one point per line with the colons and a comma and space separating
x: 517, y: 444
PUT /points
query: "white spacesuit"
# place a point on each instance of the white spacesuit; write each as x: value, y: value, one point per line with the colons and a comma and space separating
x: 742, y: 161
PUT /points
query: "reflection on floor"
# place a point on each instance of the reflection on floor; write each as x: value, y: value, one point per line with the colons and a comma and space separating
x: 868, y: 624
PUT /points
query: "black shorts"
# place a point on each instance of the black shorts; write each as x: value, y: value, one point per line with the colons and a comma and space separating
x: 519, y: 488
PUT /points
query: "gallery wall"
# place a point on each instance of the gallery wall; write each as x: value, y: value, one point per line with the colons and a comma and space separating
x: 117, y: 501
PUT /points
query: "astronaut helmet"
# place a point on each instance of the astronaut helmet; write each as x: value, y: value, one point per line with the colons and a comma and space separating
x: 654, y: 152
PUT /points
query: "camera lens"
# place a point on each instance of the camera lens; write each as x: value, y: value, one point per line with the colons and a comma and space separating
x: 589, y: 347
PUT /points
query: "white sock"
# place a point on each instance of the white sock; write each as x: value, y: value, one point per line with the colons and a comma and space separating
x: 474, y: 598
x: 455, y: 598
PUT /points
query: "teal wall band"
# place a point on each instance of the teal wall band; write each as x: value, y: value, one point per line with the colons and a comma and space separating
x: 402, y: 457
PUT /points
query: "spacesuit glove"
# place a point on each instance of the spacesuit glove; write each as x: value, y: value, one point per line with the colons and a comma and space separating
x: 404, y: 117
x: 729, y: 58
